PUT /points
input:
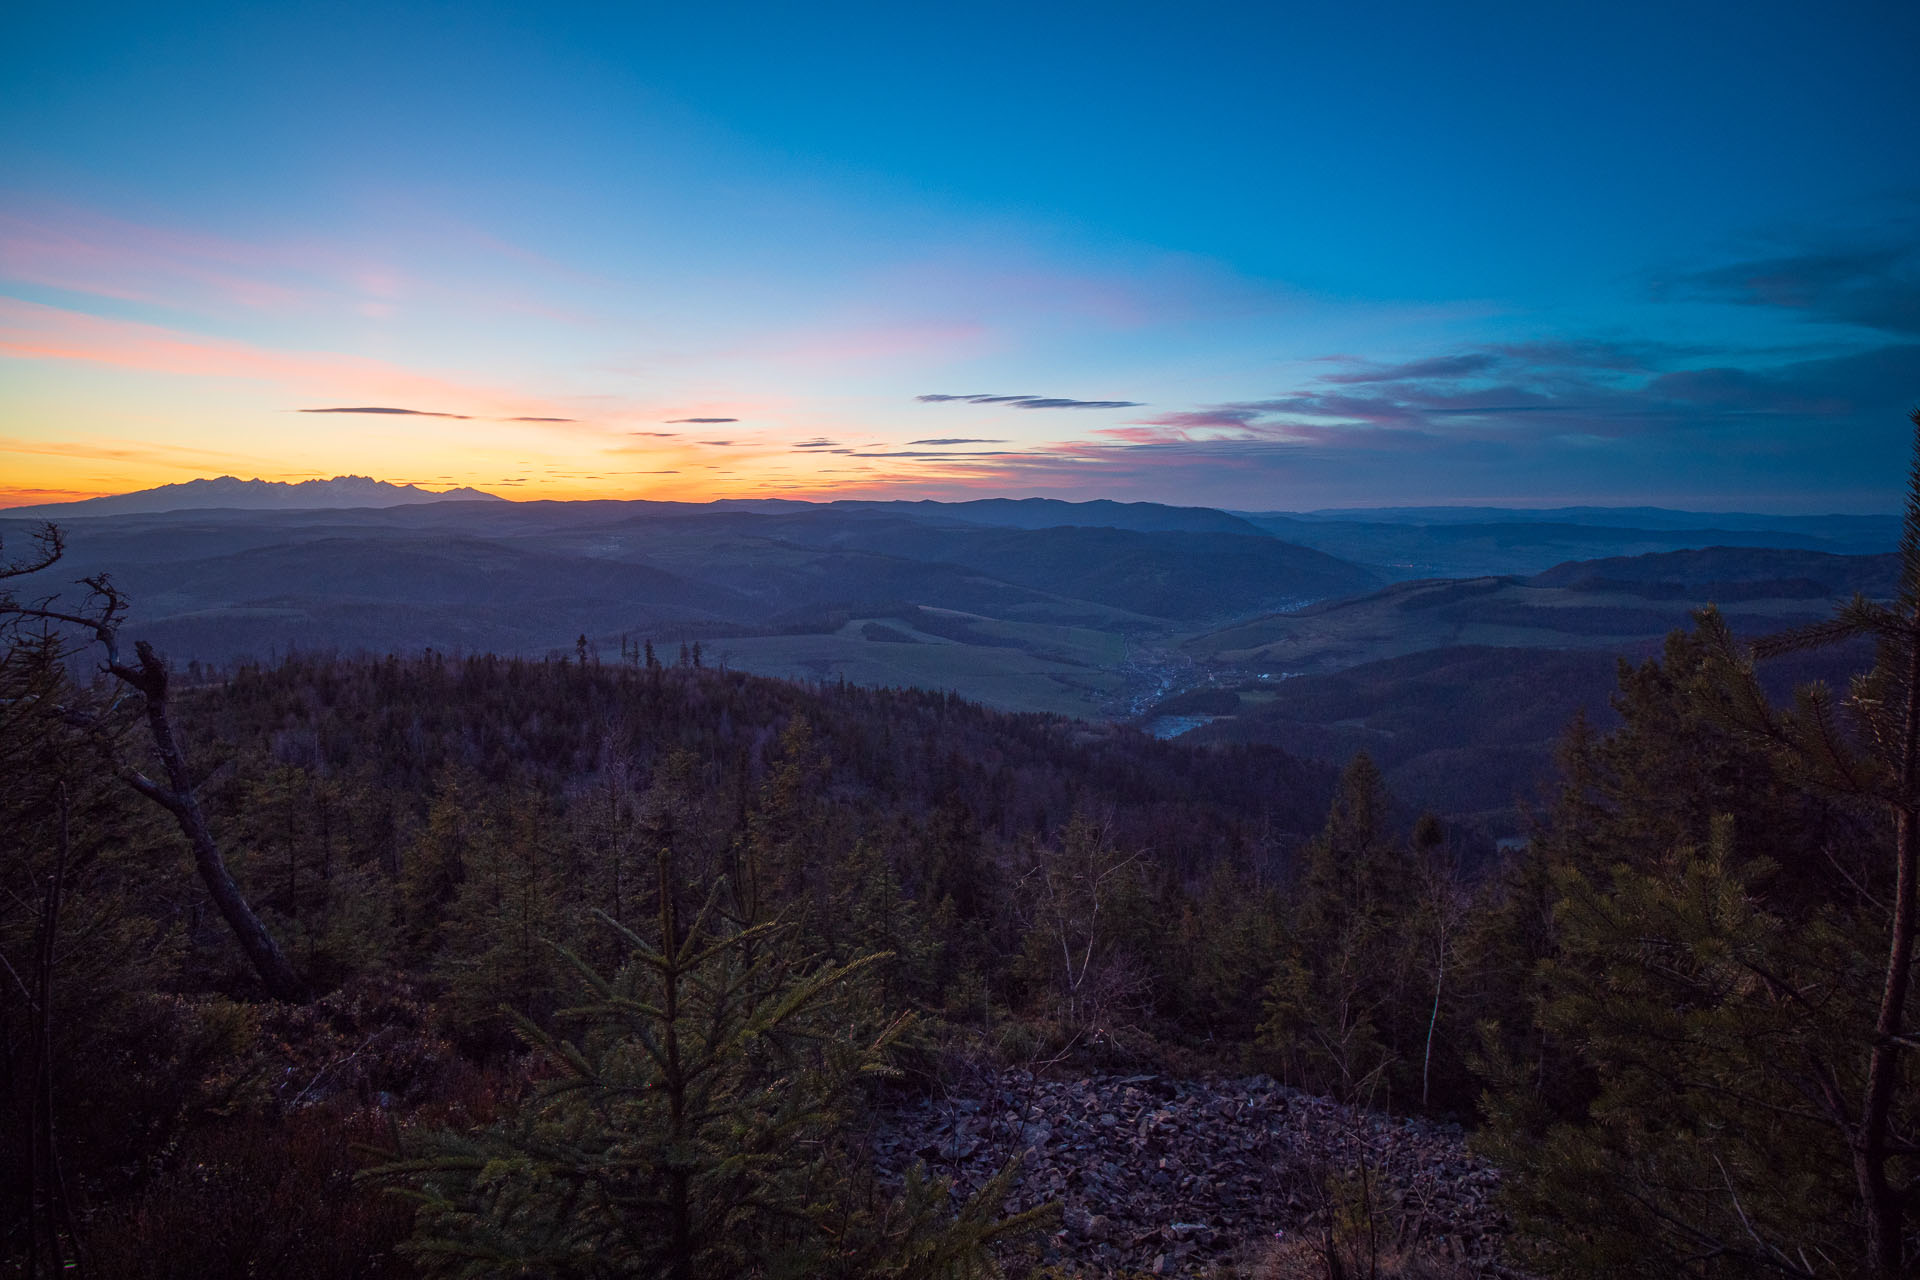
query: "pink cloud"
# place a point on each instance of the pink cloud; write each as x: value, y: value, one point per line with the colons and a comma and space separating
x: 1206, y: 419
x: 33, y: 331
x: 1145, y: 433
x: 83, y: 252
x: 21, y: 496
x: 158, y: 454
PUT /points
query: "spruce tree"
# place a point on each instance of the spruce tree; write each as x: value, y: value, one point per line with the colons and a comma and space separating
x: 696, y: 1128
x: 504, y: 917
x: 1728, y: 979
x: 1339, y: 1008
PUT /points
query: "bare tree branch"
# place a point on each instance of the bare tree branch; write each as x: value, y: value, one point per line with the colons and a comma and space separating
x: 102, y: 614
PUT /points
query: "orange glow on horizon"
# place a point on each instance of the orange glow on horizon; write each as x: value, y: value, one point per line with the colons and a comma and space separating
x: 44, y: 472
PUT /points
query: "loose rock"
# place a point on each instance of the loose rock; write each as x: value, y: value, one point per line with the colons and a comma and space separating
x: 1175, y: 1177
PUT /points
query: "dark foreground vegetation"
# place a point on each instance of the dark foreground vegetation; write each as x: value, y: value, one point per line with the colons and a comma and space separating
x: 598, y: 970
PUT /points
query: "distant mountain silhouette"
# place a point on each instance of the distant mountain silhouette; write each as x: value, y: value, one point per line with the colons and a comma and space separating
x: 1605, y: 604
x: 1747, y: 572
x: 1882, y: 528
x: 231, y: 492
x: 1407, y: 549
x: 1054, y: 513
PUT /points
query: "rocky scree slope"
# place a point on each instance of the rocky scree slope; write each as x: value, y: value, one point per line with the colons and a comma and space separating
x: 1181, y: 1177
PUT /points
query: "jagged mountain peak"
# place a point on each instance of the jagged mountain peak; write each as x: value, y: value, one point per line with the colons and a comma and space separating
x: 256, y: 495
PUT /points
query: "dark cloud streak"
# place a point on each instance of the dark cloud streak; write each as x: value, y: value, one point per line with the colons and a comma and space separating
x: 1030, y: 402
x: 1875, y: 287
x: 955, y: 440
x: 424, y: 413
x: 1522, y: 400
x: 378, y: 408
x: 924, y: 453
x: 1459, y: 366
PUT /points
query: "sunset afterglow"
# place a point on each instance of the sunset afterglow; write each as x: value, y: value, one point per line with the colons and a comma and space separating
x: 1260, y: 259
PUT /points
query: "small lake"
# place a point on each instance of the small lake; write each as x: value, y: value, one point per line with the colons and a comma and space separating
x: 1174, y: 726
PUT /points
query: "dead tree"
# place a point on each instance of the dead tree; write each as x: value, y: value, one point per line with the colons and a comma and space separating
x: 101, y: 614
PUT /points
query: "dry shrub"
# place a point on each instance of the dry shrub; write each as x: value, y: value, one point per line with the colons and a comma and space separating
x: 371, y: 1042
x: 1304, y: 1258
x: 264, y: 1186
x: 261, y: 1197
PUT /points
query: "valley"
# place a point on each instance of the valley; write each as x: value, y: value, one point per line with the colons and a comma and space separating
x: 1308, y: 632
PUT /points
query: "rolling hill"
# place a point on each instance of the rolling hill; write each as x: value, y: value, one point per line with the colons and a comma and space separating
x: 1096, y: 609
x: 1612, y: 604
x: 1459, y: 688
x: 1052, y: 618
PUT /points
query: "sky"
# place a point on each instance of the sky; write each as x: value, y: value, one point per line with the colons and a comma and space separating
x: 1265, y: 257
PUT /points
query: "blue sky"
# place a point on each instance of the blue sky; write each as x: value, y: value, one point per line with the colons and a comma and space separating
x: 1271, y: 257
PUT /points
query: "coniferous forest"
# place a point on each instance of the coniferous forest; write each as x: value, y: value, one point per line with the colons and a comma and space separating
x: 475, y: 966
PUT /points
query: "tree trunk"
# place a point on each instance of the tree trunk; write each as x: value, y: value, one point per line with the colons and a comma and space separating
x: 48, y: 1207
x: 1433, y: 1020
x: 150, y: 679
x: 1885, y: 1203
x: 674, y: 1081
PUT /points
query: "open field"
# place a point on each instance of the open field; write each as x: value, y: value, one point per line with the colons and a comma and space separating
x: 890, y: 652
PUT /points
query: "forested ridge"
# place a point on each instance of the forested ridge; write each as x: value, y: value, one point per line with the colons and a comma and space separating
x: 600, y: 966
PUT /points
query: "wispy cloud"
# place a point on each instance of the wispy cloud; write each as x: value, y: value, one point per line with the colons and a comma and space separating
x: 1576, y: 420
x: 79, y: 251
x: 85, y: 252
x: 28, y: 496
x: 908, y: 453
x: 677, y: 421
x: 1046, y: 403
x: 1875, y: 287
x: 1031, y: 402
x: 955, y: 440
x: 1494, y: 392
x: 1221, y: 418
x: 1465, y: 365
x: 34, y: 331
x: 182, y: 457
x: 417, y: 413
